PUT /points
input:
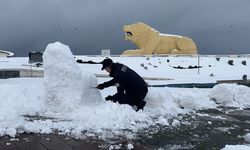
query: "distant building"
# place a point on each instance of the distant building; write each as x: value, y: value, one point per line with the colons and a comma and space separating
x: 6, y: 53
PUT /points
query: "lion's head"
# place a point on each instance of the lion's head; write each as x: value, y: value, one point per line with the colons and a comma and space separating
x: 139, y: 32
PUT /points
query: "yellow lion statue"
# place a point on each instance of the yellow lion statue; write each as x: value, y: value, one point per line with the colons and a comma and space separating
x: 149, y: 41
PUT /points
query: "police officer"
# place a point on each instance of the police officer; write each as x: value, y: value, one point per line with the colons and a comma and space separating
x: 131, y: 88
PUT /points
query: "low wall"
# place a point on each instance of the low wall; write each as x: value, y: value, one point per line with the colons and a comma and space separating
x: 6, y: 53
x: 16, y: 73
x: 179, y: 55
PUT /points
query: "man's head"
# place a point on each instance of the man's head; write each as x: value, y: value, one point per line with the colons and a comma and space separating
x: 106, y: 64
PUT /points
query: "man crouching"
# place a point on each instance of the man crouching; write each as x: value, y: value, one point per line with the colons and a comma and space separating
x: 131, y: 88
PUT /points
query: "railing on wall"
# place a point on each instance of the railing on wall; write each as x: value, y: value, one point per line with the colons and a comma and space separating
x: 179, y: 55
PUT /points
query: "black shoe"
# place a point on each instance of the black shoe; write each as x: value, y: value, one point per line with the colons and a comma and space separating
x: 141, y: 105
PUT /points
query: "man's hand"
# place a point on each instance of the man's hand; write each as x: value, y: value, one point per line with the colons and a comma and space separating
x: 108, y: 98
x: 100, y: 86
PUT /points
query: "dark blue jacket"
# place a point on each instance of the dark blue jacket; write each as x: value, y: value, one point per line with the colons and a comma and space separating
x: 127, y: 81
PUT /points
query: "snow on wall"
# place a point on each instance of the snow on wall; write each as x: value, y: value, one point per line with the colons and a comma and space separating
x: 66, y: 86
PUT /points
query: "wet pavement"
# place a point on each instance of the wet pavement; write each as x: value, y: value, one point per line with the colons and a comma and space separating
x: 60, y: 142
x: 205, y: 129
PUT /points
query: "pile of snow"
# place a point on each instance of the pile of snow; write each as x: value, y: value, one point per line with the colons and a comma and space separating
x: 194, y: 99
x: 104, y: 119
x: 236, y: 147
x: 161, y: 101
x: 22, y: 100
x: 66, y: 86
x: 231, y: 95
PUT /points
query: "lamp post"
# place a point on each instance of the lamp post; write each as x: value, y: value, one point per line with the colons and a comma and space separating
x: 198, y: 56
x: 231, y: 30
x: 61, y: 32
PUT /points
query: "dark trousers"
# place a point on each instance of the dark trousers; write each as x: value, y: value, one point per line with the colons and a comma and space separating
x: 133, y: 98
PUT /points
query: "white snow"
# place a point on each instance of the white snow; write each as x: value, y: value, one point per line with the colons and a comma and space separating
x: 18, y: 100
x: 130, y: 146
x: 163, y: 103
x: 247, y: 137
x: 64, y: 99
x: 236, y: 147
x: 66, y: 86
x: 162, y: 34
x: 231, y: 95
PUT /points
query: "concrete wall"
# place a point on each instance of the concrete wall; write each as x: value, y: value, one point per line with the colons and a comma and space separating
x: 16, y: 73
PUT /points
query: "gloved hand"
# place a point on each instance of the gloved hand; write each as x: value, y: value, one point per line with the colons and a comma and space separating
x: 100, y: 86
x: 108, y: 98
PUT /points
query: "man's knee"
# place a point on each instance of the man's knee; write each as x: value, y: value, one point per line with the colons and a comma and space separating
x: 143, y: 93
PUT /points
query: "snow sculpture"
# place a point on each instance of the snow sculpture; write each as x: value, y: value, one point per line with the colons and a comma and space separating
x: 149, y: 41
x: 66, y: 86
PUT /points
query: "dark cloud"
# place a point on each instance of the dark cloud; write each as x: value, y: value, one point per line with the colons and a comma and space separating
x: 87, y: 26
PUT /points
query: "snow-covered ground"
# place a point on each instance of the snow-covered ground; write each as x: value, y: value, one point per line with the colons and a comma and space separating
x: 163, y: 67
x: 24, y: 103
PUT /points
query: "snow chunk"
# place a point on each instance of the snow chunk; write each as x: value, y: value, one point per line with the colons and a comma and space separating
x: 11, y: 132
x: 66, y: 86
x: 236, y: 147
x: 175, y: 122
x: 247, y: 137
x: 231, y: 95
x: 130, y: 146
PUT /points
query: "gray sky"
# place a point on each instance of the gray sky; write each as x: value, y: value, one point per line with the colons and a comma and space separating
x: 87, y: 26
